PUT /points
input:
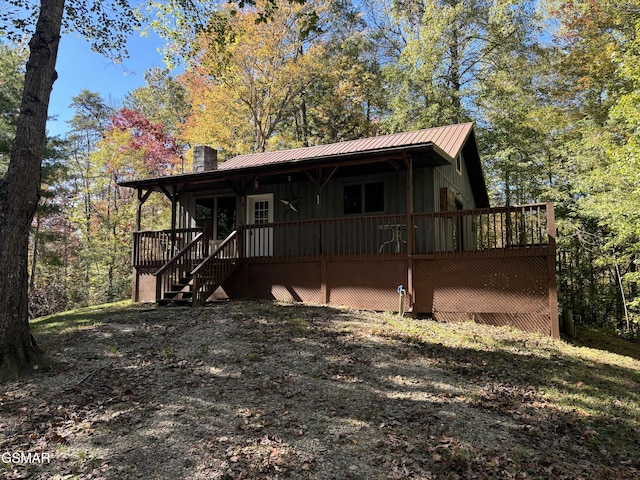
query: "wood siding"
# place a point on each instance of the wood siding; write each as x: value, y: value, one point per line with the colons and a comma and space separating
x: 447, y: 177
x: 427, y: 182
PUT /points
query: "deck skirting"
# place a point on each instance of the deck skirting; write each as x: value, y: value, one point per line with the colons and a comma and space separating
x: 510, y: 290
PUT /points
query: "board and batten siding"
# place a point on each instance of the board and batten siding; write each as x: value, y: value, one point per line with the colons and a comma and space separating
x: 423, y: 193
x: 447, y: 177
x: 301, y: 193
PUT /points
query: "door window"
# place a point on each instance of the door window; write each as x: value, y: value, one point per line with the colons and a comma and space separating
x: 261, y: 212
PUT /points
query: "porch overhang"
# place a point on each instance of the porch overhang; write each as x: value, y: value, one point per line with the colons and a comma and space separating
x: 424, y: 155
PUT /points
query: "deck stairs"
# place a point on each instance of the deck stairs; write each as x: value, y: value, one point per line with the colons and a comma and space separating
x: 181, y: 292
x: 192, y: 276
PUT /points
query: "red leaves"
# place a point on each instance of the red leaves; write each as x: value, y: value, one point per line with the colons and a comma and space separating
x: 161, y: 151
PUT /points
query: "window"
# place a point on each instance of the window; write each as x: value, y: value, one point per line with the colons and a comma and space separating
x: 459, y: 164
x: 364, y: 198
x: 261, y: 212
x: 204, y: 212
x: 217, y: 215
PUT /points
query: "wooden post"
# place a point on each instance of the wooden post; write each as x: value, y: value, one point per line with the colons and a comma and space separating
x: 139, y: 210
x: 408, y: 161
x: 174, y: 206
x: 135, y: 253
x: 142, y: 198
x: 551, y: 272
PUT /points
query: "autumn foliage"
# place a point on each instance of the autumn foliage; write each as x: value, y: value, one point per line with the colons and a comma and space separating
x: 160, y: 153
x: 551, y: 86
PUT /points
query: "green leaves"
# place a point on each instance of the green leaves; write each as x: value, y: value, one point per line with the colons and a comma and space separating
x: 12, y: 61
x: 106, y: 24
x: 596, y: 74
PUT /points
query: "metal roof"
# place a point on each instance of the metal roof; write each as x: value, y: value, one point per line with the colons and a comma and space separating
x: 448, y: 139
x: 443, y: 143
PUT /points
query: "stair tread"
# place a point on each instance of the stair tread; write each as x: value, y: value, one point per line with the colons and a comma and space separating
x: 182, y: 291
x: 174, y: 293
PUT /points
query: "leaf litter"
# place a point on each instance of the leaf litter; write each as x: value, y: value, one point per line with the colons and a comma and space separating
x: 258, y: 390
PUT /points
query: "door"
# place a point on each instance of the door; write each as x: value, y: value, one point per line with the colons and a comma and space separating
x: 259, y: 239
x: 217, y: 215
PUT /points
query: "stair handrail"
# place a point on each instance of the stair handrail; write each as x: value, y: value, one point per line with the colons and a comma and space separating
x: 189, y: 247
x: 199, y: 270
x: 180, y: 254
x: 215, y: 252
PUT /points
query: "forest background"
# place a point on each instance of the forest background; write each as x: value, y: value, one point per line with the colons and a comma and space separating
x: 553, y: 88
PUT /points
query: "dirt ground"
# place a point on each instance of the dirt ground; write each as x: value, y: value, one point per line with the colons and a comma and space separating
x: 251, y: 390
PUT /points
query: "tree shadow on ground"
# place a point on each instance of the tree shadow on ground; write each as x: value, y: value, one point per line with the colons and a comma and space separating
x: 263, y: 390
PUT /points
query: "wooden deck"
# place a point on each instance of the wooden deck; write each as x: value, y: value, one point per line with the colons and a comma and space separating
x: 493, y: 266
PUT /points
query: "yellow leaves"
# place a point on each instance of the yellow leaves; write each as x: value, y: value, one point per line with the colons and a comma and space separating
x: 218, y: 118
x: 114, y: 157
x: 244, y: 91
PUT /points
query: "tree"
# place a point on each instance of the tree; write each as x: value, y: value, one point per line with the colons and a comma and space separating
x: 345, y: 99
x: 159, y: 150
x: 442, y: 50
x: 20, y: 186
x: 19, y: 192
x: 50, y: 234
x: 121, y: 146
x: 514, y: 142
x: 242, y: 93
x: 163, y: 100
x: 88, y: 125
x: 306, y: 77
x: 595, y: 87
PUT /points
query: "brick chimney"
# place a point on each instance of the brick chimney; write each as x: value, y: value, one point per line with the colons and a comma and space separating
x: 204, y: 158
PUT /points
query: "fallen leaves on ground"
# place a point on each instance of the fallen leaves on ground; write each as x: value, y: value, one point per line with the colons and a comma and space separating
x: 254, y: 390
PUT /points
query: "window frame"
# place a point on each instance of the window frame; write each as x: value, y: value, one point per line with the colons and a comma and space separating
x: 459, y: 164
x: 362, y: 201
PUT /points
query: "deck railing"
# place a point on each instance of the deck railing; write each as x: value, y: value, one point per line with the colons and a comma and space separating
x: 521, y: 230
x: 356, y: 237
x: 215, y: 269
x: 154, y: 248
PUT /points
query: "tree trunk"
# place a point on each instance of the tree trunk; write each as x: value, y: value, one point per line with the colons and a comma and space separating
x: 19, y: 194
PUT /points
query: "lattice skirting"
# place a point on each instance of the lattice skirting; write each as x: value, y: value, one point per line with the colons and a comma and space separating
x: 497, y: 291
x: 370, y: 285
x: 357, y: 284
x: 290, y: 282
x: 144, y: 285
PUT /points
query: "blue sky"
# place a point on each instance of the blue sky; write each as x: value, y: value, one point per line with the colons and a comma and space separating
x: 80, y: 68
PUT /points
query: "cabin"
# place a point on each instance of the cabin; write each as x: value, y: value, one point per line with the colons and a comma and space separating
x: 398, y: 222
